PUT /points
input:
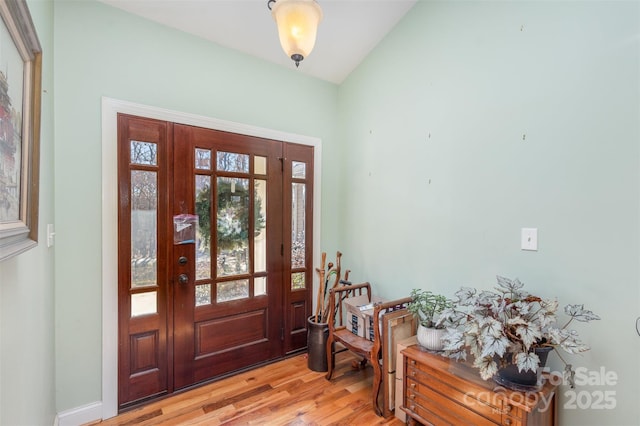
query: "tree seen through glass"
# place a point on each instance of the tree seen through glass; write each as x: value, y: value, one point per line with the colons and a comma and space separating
x: 232, y: 226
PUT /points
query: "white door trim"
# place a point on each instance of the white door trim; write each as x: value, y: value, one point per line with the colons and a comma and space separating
x: 110, y: 110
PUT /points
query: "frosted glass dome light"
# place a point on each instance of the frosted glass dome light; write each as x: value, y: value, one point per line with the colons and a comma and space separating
x: 297, y: 22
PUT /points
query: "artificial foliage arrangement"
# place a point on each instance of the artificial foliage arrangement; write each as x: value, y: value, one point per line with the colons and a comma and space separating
x: 507, y: 326
x: 427, y: 306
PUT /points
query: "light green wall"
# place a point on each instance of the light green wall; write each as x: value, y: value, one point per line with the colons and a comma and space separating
x: 26, y: 282
x: 103, y: 51
x: 472, y: 120
x: 437, y: 183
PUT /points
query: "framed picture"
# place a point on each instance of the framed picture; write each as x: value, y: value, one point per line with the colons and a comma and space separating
x: 20, y: 89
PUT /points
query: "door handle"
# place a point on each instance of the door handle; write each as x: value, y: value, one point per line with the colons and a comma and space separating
x: 183, y: 278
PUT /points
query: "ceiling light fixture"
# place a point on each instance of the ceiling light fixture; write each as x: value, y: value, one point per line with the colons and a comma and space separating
x: 297, y: 22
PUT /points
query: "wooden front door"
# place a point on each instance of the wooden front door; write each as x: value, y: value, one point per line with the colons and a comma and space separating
x: 214, y: 254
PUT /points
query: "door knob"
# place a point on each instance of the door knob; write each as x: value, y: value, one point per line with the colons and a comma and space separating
x: 183, y: 278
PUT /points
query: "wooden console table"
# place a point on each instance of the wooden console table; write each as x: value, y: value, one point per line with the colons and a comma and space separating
x: 440, y: 391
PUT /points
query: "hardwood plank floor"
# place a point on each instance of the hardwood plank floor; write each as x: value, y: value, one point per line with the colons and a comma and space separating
x: 283, y: 393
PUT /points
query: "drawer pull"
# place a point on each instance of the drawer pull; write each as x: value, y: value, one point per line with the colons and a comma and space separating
x: 412, y: 362
x: 413, y: 407
x: 507, y: 422
x: 412, y: 396
x: 412, y: 385
x: 413, y: 373
x: 508, y: 408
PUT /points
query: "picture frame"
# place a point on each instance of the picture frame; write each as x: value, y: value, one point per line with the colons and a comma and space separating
x: 20, y: 103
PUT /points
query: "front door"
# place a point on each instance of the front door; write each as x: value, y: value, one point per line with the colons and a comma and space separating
x: 214, y: 253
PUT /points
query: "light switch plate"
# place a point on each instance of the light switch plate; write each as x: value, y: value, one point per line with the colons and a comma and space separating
x: 529, y: 239
x: 50, y: 235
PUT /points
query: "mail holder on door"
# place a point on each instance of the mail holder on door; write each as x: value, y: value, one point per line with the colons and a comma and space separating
x: 184, y: 228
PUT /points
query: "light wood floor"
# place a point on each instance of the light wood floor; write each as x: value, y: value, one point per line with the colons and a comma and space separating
x: 284, y: 393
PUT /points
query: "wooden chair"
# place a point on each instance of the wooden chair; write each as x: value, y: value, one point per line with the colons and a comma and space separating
x: 369, y: 350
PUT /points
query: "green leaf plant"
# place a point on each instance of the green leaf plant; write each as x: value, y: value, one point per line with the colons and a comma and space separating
x: 490, y: 325
x: 427, y: 306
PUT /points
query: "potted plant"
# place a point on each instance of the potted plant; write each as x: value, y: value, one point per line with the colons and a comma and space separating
x: 427, y: 306
x: 512, y: 329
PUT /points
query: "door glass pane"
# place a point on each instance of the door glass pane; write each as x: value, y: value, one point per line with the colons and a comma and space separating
x: 144, y: 153
x: 203, y: 294
x: 203, y: 159
x: 203, y: 240
x: 232, y: 290
x: 232, y: 226
x: 260, y: 233
x: 144, y: 203
x: 232, y: 162
x: 259, y: 286
x: 298, y: 170
x: 298, y: 201
x: 144, y: 303
x: 297, y: 281
x: 260, y: 165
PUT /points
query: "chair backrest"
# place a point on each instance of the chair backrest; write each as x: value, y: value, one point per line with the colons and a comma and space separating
x: 337, y: 296
x: 385, y: 308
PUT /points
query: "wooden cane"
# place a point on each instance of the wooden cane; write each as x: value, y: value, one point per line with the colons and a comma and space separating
x: 320, y: 301
x: 338, y: 262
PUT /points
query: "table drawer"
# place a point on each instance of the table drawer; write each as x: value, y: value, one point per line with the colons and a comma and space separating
x: 431, y: 402
x: 437, y: 409
x: 484, y: 403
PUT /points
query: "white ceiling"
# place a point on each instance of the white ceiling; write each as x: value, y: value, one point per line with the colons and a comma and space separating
x: 349, y: 30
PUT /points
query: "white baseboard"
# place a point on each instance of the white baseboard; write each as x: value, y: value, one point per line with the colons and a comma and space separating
x: 79, y: 415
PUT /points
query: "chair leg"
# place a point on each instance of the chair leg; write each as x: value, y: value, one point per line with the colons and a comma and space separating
x: 331, y: 357
x: 377, y: 380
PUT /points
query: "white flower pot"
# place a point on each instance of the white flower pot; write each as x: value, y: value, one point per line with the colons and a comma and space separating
x: 430, y: 338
